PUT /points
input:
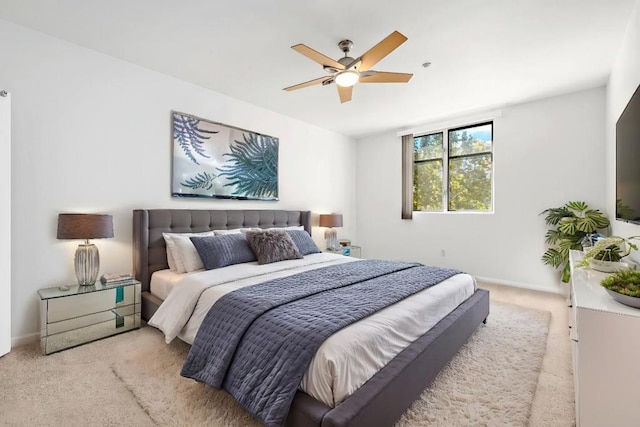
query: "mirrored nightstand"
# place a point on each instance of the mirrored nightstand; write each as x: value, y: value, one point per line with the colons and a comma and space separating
x: 353, y: 250
x: 82, y: 314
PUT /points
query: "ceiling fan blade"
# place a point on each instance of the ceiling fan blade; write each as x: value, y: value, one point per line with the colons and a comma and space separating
x: 345, y: 93
x: 382, y: 49
x: 384, y: 77
x: 316, y: 56
x: 317, y: 81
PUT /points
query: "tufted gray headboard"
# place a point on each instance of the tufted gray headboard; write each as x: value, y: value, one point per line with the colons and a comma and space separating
x: 149, y: 250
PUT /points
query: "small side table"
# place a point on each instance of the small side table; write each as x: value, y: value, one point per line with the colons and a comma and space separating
x: 87, y: 313
x: 353, y: 250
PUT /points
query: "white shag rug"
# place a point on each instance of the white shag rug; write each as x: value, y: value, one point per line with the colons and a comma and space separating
x: 490, y: 382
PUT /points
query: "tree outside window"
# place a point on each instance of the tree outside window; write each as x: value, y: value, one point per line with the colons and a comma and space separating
x: 465, y: 184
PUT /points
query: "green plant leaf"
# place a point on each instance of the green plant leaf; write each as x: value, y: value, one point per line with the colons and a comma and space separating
x: 553, y: 236
x: 554, y: 215
x: 553, y: 257
x: 567, y: 244
x: 568, y: 225
x: 577, y: 206
x: 592, y: 220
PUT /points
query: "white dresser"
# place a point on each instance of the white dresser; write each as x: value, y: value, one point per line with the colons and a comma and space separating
x: 606, y: 353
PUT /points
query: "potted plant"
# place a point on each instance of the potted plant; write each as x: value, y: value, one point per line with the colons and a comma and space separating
x: 571, y: 224
x: 607, y: 253
x: 624, y: 287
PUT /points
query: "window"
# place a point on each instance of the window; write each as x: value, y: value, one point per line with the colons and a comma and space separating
x: 453, y: 168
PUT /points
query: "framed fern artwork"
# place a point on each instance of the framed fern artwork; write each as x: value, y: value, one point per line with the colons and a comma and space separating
x: 224, y: 162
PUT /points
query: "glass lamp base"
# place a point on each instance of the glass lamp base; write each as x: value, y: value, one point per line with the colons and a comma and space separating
x: 87, y: 263
x: 331, y: 237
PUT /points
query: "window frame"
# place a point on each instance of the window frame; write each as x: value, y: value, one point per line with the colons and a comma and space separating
x: 445, y: 160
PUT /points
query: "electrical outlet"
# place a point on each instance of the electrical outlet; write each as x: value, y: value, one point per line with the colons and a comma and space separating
x: 443, y: 252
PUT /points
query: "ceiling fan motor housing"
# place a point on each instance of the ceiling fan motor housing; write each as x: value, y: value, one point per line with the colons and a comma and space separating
x: 345, y: 46
x: 346, y: 61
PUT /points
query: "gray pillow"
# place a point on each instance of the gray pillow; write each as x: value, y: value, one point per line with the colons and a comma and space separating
x: 224, y: 250
x: 272, y: 246
x: 303, y: 242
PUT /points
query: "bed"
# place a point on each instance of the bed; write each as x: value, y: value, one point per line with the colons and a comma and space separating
x: 383, y: 398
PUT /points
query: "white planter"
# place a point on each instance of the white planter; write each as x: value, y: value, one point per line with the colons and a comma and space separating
x: 609, y: 266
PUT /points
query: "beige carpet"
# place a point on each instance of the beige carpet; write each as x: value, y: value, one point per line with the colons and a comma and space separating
x: 491, y: 381
x: 554, y: 404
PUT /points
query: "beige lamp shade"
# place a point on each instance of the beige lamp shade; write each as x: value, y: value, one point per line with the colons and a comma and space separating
x: 330, y: 220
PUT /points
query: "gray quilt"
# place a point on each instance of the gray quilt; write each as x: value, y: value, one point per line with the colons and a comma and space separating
x: 257, y: 342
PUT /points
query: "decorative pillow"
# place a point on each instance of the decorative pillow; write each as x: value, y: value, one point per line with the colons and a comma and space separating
x: 272, y: 245
x: 303, y: 242
x: 176, y: 254
x: 220, y: 251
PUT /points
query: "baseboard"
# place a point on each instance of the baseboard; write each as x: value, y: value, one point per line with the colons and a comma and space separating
x: 25, y: 339
x: 530, y: 286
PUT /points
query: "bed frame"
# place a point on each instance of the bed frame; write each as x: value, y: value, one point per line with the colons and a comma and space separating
x: 381, y: 400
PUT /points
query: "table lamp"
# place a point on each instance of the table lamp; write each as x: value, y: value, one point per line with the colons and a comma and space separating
x: 85, y: 227
x: 331, y: 234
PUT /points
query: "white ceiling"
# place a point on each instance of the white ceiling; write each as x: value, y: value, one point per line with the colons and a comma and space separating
x: 485, y: 53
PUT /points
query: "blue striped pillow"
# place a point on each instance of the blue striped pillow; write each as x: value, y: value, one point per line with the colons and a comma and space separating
x: 304, y: 242
x: 221, y: 251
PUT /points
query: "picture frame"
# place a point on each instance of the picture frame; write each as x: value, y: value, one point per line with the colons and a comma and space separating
x: 214, y: 160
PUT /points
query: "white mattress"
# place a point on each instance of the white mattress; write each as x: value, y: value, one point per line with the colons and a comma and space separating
x: 347, y: 359
x: 163, y: 281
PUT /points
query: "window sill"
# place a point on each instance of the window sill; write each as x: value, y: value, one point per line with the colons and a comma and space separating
x: 453, y: 212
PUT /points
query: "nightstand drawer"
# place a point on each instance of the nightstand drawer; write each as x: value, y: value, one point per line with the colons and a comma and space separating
x: 91, y: 319
x: 56, y: 342
x: 89, y: 303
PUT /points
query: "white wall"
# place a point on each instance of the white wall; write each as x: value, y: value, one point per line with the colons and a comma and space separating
x: 624, y: 79
x: 5, y: 223
x: 546, y: 153
x: 91, y: 133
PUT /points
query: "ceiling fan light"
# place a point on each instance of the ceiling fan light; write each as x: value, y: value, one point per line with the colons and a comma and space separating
x: 347, y: 78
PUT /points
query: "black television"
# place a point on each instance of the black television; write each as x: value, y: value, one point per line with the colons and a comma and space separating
x: 628, y: 162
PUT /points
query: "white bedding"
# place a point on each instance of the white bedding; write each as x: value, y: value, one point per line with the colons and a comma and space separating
x: 347, y: 359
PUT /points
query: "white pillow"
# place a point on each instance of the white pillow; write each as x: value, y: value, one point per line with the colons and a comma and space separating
x: 187, y: 259
x: 223, y: 232
x: 235, y: 231
x: 291, y: 227
x: 176, y: 254
x: 170, y: 261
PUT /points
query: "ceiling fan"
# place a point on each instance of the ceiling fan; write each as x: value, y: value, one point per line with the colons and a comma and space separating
x: 347, y: 71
